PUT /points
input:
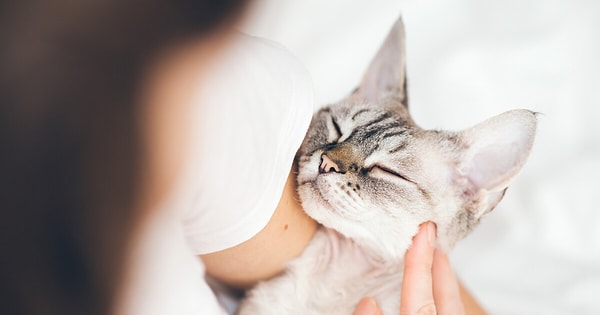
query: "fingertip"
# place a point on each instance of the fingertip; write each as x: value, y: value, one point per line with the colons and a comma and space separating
x: 367, y: 306
x: 431, y: 229
x: 423, y: 241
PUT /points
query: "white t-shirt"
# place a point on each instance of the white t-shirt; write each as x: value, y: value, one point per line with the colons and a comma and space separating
x: 252, y: 112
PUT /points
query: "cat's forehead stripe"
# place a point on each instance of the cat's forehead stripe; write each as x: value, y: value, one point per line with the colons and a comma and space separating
x: 373, y: 127
x: 380, y: 131
x: 379, y: 119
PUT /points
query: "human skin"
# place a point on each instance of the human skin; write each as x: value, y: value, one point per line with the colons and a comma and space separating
x: 263, y: 256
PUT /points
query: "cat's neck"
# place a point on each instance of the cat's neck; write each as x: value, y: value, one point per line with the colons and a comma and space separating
x: 343, y: 247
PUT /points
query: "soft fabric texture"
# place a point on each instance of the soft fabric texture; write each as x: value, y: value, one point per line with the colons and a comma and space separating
x: 165, y: 276
x: 253, y: 109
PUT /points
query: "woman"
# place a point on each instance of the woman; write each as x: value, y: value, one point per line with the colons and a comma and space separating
x: 93, y: 96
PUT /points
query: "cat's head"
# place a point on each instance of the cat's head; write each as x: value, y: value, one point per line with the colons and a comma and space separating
x: 368, y: 171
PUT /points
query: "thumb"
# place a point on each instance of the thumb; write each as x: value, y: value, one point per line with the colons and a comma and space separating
x: 367, y: 306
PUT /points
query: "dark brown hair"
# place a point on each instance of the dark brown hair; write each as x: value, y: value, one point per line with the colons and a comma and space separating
x: 69, y: 71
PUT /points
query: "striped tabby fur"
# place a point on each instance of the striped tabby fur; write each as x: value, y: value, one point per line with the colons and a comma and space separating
x: 371, y: 176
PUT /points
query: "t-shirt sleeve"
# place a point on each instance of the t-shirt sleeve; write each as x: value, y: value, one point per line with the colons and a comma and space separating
x: 253, y: 112
x: 164, y: 276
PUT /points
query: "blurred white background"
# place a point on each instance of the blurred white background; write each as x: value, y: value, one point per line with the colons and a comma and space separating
x: 539, y: 251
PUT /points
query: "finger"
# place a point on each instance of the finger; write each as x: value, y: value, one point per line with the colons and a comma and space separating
x: 446, y: 291
x: 471, y: 305
x: 367, y: 306
x: 417, y: 291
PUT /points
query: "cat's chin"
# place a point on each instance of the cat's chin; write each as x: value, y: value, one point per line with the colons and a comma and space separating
x: 331, y: 217
x: 319, y: 207
x: 316, y: 205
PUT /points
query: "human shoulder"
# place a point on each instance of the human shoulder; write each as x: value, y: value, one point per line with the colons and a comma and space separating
x: 253, y: 113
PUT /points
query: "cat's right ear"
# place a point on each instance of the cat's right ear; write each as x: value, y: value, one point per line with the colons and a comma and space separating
x: 495, y: 152
x: 387, y: 72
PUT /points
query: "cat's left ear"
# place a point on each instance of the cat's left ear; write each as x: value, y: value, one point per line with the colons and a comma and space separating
x: 495, y: 152
x: 387, y: 72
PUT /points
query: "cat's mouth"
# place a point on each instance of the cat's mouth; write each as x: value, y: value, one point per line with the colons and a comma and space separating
x: 319, y: 188
x: 313, y: 201
x: 332, y: 195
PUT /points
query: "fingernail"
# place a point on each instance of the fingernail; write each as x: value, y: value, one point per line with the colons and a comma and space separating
x: 431, y: 233
x: 366, y: 306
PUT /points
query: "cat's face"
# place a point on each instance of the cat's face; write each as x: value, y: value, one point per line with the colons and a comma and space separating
x: 368, y: 171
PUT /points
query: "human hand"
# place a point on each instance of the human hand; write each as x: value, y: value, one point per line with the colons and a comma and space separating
x: 429, y: 285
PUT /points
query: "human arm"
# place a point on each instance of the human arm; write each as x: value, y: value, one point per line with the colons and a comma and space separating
x: 284, y: 237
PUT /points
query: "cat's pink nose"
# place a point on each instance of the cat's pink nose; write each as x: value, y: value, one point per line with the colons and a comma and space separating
x: 328, y: 165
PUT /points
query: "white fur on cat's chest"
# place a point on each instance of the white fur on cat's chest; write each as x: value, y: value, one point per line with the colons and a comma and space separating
x: 330, y: 277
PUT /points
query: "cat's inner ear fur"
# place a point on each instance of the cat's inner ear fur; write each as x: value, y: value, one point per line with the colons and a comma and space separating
x: 386, y: 75
x: 495, y: 152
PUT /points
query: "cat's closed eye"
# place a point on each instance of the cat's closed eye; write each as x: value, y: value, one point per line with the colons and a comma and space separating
x: 386, y: 171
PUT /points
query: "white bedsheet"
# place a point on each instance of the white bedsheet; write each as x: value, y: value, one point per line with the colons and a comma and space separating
x: 539, y: 251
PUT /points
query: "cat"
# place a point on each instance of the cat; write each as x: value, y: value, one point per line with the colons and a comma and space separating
x: 370, y: 176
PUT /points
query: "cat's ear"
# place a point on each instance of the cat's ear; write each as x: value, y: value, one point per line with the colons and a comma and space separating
x: 495, y: 152
x: 387, y: 72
